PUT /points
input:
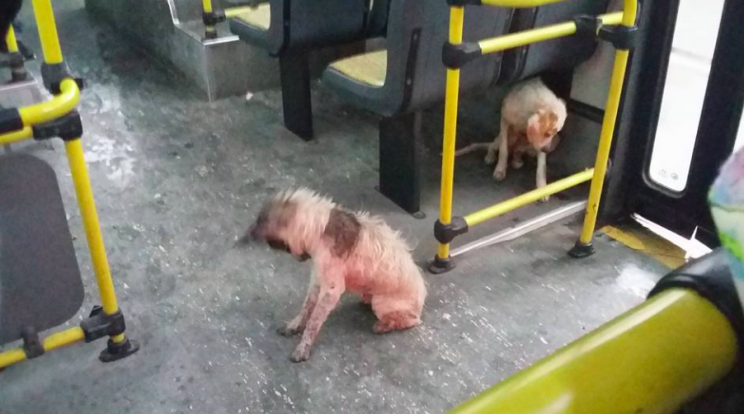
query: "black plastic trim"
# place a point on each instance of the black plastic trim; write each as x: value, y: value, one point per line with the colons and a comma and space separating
x: 116, y: 351
x: 621, y: 37
x: 54, y: 74
x: 32, y: 345
x: 101, y: 324
x: 439, y: 265
x: 581, y: 250
x: 69, y: 127
x: 10, y: 120
x: 213, y: 18
x: 445, y: 233
x: 457, y: 56
x: 587, y: 25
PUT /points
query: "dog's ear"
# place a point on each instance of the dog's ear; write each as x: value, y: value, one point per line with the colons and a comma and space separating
x: 343, y: 230
x: 534, y: 127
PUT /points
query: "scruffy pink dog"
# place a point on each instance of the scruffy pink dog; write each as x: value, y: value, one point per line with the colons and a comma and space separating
x: 350, y: 251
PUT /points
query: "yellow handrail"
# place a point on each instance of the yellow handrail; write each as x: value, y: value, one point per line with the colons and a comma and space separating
x: 10, y: 40
x: 627, y: 18
x: 16, y: 136
x: 528, y: 198
x: 652, y: 359
x: 47, y: 31
x: 54, y: 108
x: 605, y: 139
x: 210, y: 31
x: 40, y: 113
x: 452, y: 95
x: 520, y: 3
x: 53, y: 341
x: 61, y: 104
x: 236, y: 11
x: 510, y: 41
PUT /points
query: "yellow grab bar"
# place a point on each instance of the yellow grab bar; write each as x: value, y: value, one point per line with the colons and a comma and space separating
x: 16, y: 136
x: 443, y: 229
x: 519, y: 3
x: 652, y: 359
x: 207, y: 6
x: 54, y: 108
x: 10, y: 40
x: 88, y: 212
x: 47, y: 31
x: 452, y: 94
x: 53, y: 341
x: 584, y: 244
x: 527, y: 37
x: 235, y: 11
x: 527, y: 198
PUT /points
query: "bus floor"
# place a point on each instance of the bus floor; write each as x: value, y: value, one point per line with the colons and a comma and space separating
x: 178, y: 179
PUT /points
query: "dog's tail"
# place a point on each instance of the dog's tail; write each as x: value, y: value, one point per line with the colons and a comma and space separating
x: 472, y: 148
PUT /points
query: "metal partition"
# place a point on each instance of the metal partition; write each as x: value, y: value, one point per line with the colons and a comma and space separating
x: 17, y: 124
x: 457, y: 54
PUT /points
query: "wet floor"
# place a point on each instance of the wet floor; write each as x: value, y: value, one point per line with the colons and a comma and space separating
x: 177, y: 179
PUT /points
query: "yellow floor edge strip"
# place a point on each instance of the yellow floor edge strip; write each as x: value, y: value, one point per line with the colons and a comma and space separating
x: 648, y: 243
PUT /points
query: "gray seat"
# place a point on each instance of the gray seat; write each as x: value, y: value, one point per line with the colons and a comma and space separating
x: 291, y: 29
x: 409, y: 76
x: 40, y: 284
x: 414, y: 77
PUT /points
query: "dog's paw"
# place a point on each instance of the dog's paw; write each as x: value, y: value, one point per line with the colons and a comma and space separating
x: 490, y: 158
x: 300, y: 355
x: 288, y: 331
x: 517, y: 164
x: 499, y: 175
x: 544, y: 199
x: 381, y: 328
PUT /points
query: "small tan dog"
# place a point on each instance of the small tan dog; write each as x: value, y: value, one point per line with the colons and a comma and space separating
x: 531, y: 117
x: 350, y: 251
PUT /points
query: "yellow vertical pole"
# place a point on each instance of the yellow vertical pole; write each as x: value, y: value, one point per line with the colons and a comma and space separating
x: 79, y: 170
x: 209, y: 31
x: 10, y: 40
x: 457, y: 17
x: 608, y: 129
x: 47, y: 31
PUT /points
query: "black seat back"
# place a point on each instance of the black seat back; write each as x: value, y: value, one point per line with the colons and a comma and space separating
x: 316, y: 23
x: 305, y: 24
x: 416, y: 32
x: 563, y: 53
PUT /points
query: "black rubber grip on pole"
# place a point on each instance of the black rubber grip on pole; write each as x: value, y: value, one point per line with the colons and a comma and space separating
x: 10, y: 120
x: 457, y: 56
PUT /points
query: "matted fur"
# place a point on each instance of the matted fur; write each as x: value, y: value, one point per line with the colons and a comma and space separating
x: 375, y: 263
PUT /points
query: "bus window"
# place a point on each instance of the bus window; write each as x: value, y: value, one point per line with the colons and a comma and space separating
x: 684, y: 92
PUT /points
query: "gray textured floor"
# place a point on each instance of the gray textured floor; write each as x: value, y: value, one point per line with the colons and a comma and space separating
x: 177, y: 180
